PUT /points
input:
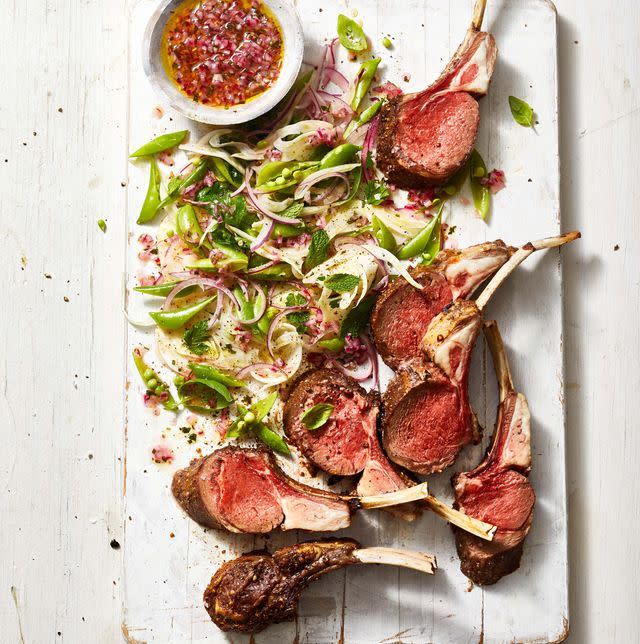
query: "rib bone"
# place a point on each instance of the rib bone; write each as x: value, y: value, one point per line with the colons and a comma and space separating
x: 398, y: 557
x: 415, y: 493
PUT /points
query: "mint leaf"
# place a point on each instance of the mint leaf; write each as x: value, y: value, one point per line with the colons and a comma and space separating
x: 342, y: 282
x: 318, y: 249
x: 196, y: 338
x: 375, y: 192
x: 521, y: 111
x: 293, y: 210
x: 357, y: 319
x: 317, y: 416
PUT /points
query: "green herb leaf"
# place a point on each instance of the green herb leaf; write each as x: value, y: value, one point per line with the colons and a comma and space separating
x: 317, y: 416
x: 318, y: 249
x: 521, y: 111
x: 196, y: 338
x: 481, y: 193
x: 342, y: 282
x: 357, y: 319
x: 271, y: 439
x: 351, y: 35
x: 293, y: 210
x: 375, y: 192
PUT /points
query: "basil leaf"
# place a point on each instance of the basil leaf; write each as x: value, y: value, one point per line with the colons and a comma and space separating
x: 318, y: 249
x: 342, y: 282
x: 317, y: 416
x: 357, y: 319
x: 481, y: 193
x: 521, y: 111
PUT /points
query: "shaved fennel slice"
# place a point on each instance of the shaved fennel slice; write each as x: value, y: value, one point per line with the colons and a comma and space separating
x: 351, y: 260
x: 213, y: 152
x: 395, y: 263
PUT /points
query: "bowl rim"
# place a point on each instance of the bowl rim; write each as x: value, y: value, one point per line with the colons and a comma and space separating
x: 290, y: 24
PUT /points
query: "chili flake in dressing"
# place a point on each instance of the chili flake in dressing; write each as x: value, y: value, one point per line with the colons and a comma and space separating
x: 222, y: 52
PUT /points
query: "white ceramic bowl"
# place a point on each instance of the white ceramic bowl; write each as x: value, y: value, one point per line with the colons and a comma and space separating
x: 293, y: 44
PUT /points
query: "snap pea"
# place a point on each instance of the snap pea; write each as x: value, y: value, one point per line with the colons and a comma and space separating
x: 171, y: 320
x: 287, y: 231
x: 188, y: 227
x: 152, y: 380
x: 234, y: 260
x: 481, y: 194
x: 351, y: 34
x: 160, y: 144
x: 271, y: 439
x: 209, y: 373
x: 226, y: 172
x: 418, y: 244
x: 356, y: 175
x: 332, y: 344
x: 263, y: 324
x: 281, y: 177
x: 272, y: 169
x: 200, y: 169
x: 151, y: 203
x: 340, y: 155
x: 386, y: 42
x: 162, y: 290
x: 457, y: 181
x: 280, y: 272
x: 433, y: 247
x: 365, y: 77
x: 384, y: 235
x: 363, y: 118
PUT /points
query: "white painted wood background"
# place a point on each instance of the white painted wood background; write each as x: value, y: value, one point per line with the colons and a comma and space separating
x: 64, y: 79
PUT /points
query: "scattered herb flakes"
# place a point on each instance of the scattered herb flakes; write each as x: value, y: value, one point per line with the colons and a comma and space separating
x: 196, y: 338
x: 342, y: 282
x: 317, y: 416
x: 521, y: 111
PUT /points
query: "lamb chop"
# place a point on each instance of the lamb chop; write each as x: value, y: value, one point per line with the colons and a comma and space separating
x: 498, y: 490
x: 244, y: 490
x: 257, y: 589
x: 428, y: 418
x: 425, y: 138
x: 402, y: 313
x: 347, y: 444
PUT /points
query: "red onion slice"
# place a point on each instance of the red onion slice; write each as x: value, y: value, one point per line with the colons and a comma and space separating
x: 274, y: 324
x: 267, y: 228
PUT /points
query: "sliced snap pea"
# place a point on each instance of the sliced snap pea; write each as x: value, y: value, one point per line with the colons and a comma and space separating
x: 351, y: 34
x: 433, y: 247
x: 363, y: 118
x: 234, y: 260
x: 384, y: 235
x: 188, y: 227
x: 287, y: 231
x: 201, y: 168
x: 418, y: 244
x: 365, y: 77
x: 271, y: 439
x: 152, y: 380
x: 151, y: 203
x: 340, y: 155
x: 171, y: 320
x: 481, y: 194
x: 226, y: 172
x: 278, y: 273
x: 332, y: 344
x: 209, y: 373
x: 160, y: 144
x: 162, y: 290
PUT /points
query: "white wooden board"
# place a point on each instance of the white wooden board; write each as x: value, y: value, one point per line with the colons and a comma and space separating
x: 165, y: 576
